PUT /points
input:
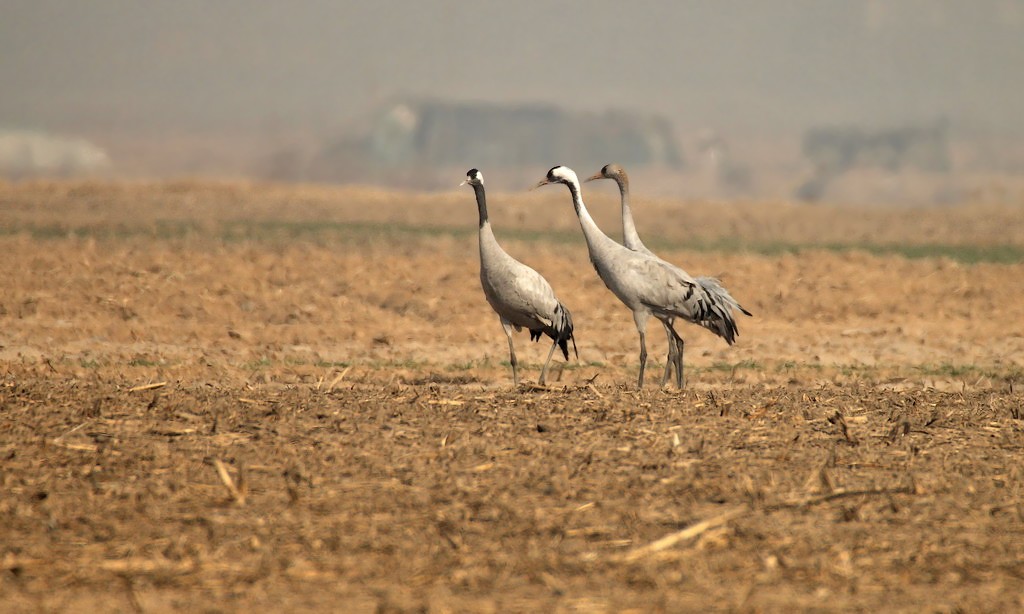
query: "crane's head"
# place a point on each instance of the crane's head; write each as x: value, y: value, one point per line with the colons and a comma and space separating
x: 609, y: 171
x: 559, y: 174
x: 473, y: 177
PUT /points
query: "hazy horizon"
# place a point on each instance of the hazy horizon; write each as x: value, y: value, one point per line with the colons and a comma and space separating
x: 751, y: 66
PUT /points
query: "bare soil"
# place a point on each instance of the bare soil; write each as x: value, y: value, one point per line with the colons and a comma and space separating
x: 223, y: 397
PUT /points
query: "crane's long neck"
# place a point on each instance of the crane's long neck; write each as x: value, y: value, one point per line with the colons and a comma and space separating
x: 481, y: 203
x: 630, y: 238
x: 488, y: 243
x: 596, y: 239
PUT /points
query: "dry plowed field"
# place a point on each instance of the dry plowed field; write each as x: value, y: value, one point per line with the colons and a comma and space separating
x: 224, y: 396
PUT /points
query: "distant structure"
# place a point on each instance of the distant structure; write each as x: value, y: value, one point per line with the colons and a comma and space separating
x: 716, y: 157
x: 835, y: 150
x: 28, y: 154
x: 416, y: 142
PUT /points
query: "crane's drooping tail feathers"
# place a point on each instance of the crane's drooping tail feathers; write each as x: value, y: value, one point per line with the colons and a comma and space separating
x: 565, y: 331
x: 713, y: 309
x: 714, y: 287
x: 716, y: 309
x: 560, y: 331
x: 719, y: 320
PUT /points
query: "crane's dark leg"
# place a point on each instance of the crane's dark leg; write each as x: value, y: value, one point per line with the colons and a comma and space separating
x: 640, y: 318
x: 643, y: 360
x: 507, y: 326
x: 670, y: 363
x: 544, y: 371
x: 680, y: 380
x: 678, y: 342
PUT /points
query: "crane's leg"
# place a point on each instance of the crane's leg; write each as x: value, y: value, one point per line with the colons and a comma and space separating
x: 670, y: 363
x: 680, y: 380
x: 544, y: 371
x: 640, y: 318
x: 678, y: 342
x: 643, y: 360
x: 507, y: 326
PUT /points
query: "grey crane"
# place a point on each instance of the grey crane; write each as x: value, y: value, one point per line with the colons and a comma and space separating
x: 646, y: 284
x: 520, y: 296
x: 631, y: 239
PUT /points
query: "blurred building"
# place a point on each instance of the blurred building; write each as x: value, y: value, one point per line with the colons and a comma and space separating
x: 28, y: 154
x: 833, y: 151
x: 417, y: 144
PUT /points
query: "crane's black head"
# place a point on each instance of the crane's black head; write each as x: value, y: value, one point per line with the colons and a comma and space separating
x: 559, y: 174
x: 473, y: 177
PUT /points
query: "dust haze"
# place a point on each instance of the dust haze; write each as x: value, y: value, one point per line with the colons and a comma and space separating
x: 267, y: 90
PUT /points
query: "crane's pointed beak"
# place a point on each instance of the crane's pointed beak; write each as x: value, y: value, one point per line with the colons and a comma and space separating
x: 596, y: 175
x: 464, y: 182
x: 540, y: 183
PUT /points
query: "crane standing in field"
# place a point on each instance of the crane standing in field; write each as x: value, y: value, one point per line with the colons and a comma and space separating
x: 520, y: 296
x: 631, y: 239
x: 646, y: 284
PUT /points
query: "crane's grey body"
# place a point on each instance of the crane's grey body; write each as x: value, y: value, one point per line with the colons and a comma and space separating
x: 646, y: 284
x: 520, y: 296
x: 710, y: 285
x: 517, y: 293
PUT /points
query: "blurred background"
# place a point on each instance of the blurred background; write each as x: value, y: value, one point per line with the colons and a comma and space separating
x: 906, y: 101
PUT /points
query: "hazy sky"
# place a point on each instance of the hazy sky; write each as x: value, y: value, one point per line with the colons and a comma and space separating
x: 766, y: 65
